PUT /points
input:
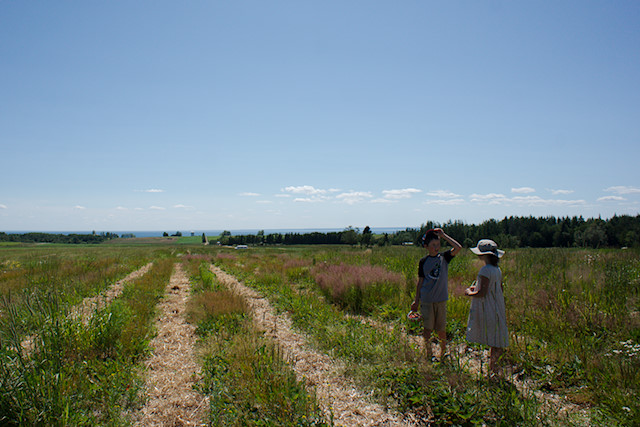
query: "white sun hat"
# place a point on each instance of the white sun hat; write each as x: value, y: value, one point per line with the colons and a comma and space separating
x: 487, y: 247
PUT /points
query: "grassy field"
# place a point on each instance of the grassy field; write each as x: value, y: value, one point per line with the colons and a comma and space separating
x: 573, y: 317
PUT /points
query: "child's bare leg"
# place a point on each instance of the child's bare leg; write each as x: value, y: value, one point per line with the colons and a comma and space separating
x: 494, y: 359
x: 427, y: 341
x: 442, y: 335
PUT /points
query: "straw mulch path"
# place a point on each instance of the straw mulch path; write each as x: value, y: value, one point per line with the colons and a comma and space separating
x: 350, y: 407
x: 172, y: 369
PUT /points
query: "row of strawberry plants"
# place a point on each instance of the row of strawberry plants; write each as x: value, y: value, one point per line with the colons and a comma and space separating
x: 383, y: 362
x: 245, y: 375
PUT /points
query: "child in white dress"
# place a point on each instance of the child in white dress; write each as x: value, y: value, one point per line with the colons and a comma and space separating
x: 487, y: 322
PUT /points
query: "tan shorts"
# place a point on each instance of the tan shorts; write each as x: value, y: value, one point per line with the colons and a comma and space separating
x: 434, y: 315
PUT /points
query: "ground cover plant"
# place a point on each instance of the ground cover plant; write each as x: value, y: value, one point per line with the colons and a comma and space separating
x: 244, y: 374
x: 74, y: 373
x: 383, y: 361
x: 573, y: 314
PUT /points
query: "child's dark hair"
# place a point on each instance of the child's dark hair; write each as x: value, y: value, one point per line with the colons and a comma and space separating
x: 429, y: 236
x: 493, y: 260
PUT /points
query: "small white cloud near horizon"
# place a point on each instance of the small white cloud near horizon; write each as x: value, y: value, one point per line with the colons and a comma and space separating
x: 611, y: 199
x: 491, y: 198
x: 443, y: 194
x: 444, y: 202
x: 179, y: 206
x: 500, y: 199
x: 249, y: 194
x: 307, y: 190
x: 404, y: 193
x: 353, y: 197
x: 156, y: 208
x: 560, y: 192
x: 623, y: 189
x: 3, y: 207
x: 121, y: 208
x: 80, y: 208
x: 150, y: 190
x: 523, y: 190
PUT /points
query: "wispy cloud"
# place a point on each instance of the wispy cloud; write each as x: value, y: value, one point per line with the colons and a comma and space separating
x: 156, y: 208
x: 501, y: 199
x: 183, y: 207
x: 353, y: 197
x: 150, y: 190
x: 306, y: 189
x: 623, y: 189
x: 445, y: 202
x: 121, y: 208
x: 248, y: 194
x: 3, y: 207
x: 404, y: 193
x: 560, y: 192
x: 523, y: 190
x: 313, y: 194
x: 443, y: 194
x: 611, y: 199
x: 491, y: 198
x: 78, y: 207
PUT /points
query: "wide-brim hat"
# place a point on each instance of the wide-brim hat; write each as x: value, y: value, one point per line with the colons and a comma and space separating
x: 487, y: 247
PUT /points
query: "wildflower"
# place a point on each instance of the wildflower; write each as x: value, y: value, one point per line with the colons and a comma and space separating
x: 626, y: 408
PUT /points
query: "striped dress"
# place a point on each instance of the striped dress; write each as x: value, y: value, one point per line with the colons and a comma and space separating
x: 487, y: 322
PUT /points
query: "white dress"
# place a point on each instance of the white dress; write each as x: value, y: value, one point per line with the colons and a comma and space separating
x: 487, y: 322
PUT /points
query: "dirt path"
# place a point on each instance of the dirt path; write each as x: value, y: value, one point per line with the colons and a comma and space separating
x: 172, y: 369
x: 350, y: 407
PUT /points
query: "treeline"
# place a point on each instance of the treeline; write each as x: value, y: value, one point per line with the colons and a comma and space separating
x: 57, y: 238
x: 511, y: 232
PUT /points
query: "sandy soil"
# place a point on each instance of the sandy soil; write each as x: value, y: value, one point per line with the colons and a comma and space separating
x: 172, y: 369
x: 350, y: 406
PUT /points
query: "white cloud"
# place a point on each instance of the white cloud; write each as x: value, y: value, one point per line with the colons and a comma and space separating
x: 156, y: 208
x: 491, y: 198
x: 304, y: 189
x: 248, y: 194
x: 3, y: 207
x: 560, y: 192
x: 307, y: 199
x: 443, y: 194
x: 81, y: 208
x: 121, y: 208
x: 611, y: 199
x: 354, y: 197
x: 501, y: 199
x: 150, y: 190
x: 445, y: 202
x: 183, y: 207
x: 404, y: 193
x: 523, y: 190
x: 623, y: 189
x: 379, y: 200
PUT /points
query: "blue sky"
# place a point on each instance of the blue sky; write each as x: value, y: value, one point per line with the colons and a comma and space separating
x: 158, y: 115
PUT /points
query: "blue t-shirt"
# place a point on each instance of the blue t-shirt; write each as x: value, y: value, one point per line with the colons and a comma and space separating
x: 434, y: 271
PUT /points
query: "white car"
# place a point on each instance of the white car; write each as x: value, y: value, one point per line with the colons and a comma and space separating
x: 242, y: 247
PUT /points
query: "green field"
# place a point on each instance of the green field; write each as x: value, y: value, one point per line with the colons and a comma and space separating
x: 573, y: 316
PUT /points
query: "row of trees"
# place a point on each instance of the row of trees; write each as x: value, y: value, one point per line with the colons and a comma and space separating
x: 57, y: 238
x: 511, y: 232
